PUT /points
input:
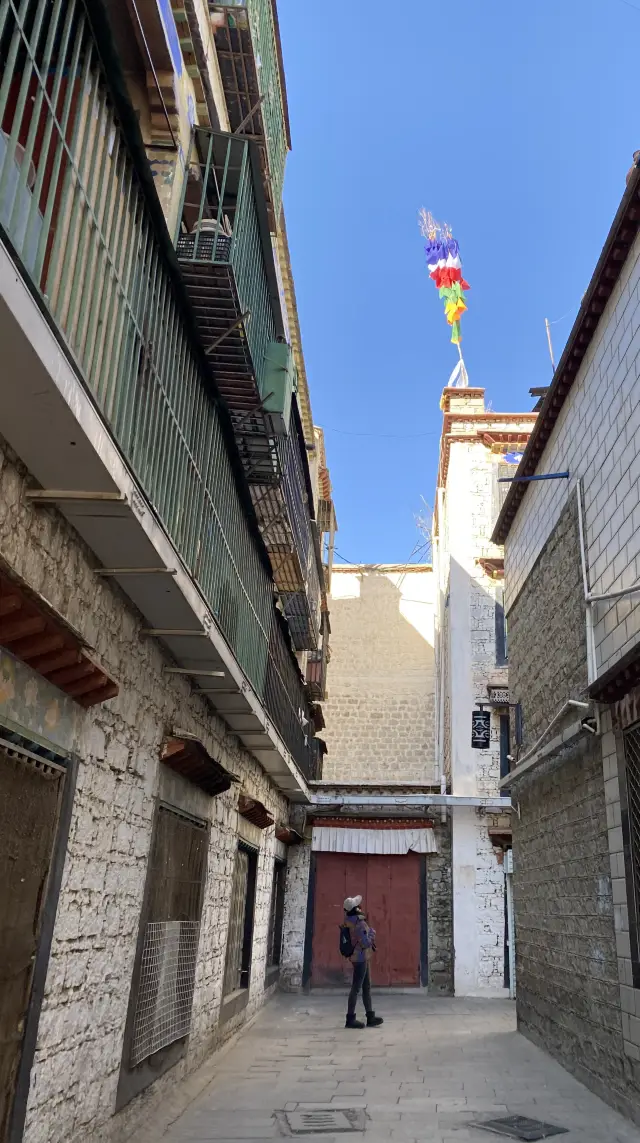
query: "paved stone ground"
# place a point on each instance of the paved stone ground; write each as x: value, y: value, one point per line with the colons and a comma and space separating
x: 434, y: 1067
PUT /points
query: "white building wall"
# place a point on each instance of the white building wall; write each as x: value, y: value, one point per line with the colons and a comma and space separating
x: 467, y: 664
x: 80, y: 1038
x: 596, y: 438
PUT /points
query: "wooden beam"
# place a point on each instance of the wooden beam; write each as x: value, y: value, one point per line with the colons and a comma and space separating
x: 39, y: 645
x: 18, y: 628
x: 9, y: 604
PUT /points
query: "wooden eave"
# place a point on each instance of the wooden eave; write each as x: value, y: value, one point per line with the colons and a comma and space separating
x: 33, y: 631
x: 189, y: 758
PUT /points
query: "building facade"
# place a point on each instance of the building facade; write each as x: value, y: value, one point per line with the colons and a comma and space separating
x: 478, y: 447
x: 165, y: 535
x: 571, y: 560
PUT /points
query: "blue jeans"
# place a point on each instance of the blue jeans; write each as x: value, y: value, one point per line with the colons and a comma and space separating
x: 361, y: 980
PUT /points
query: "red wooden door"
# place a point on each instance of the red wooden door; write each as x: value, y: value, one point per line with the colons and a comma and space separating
x: 390, y: 887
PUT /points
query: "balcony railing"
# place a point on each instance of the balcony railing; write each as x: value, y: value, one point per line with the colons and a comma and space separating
x: 74, y: 211
x: 247, y: 43
x: 284, y: 516
x: 227, y: 262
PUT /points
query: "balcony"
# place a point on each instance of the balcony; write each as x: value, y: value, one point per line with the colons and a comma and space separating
x: 248, y: 47
x: 106, y: 392
x: 284, y: 517
x: 317, y: 661
x: 227, y: 262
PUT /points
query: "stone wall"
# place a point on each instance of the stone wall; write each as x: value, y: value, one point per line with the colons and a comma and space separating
x: 380, y: 681
x: 440, y: 912
x: 566, y: 968
x: 572, y: 933
x: 80, y: 1040
x: 549, y: 613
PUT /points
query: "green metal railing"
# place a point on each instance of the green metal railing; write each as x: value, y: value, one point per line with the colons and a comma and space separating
x: 221, y: 192
x: 77, y: 217
x: 270, y: 83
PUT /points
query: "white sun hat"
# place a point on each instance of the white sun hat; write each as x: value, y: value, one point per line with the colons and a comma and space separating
x: 352, y: 903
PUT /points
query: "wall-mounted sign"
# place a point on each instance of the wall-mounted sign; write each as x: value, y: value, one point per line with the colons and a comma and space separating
x: 513, y: 457
x: 498, y: 696
x: 481, y: 729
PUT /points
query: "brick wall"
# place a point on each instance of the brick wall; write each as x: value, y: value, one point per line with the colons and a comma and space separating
x: 380, y: 706
x: 79, y: 1048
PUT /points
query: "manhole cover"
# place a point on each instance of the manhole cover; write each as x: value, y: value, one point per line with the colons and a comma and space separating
x: 318, y: 1122
x: 519, y: 1127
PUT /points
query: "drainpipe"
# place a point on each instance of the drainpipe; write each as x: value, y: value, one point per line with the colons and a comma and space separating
x: 201, y: 60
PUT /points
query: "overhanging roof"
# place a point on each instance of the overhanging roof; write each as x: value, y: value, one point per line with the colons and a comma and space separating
x: 612, y: 259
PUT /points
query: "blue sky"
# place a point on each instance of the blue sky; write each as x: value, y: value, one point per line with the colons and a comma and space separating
x: 516, y: 124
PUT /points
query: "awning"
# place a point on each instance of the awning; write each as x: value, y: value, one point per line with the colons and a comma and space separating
x: 331, y: 839
x: 188, y: 757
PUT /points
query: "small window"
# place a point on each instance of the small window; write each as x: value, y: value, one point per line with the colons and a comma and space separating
x: 161, y: 997
x: 630, y: 798
x: 500, y: 491
x: 237, y: 969
x: 501, y: 630
x: 276, y: 917
x: 504, y: 749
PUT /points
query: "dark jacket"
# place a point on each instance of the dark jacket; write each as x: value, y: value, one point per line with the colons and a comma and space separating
x: 363, y: 937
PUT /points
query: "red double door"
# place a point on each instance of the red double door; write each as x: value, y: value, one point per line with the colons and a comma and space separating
x: 391, y: 889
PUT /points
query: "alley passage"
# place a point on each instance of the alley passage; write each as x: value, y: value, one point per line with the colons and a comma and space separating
x: 435, y: 1067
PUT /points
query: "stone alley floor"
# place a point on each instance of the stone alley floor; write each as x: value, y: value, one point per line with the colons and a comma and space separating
x: 436, y: 1067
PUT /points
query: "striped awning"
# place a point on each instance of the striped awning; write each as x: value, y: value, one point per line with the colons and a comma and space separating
x: 332, y: 839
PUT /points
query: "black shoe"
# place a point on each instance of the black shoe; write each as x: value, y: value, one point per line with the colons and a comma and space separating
x: 374, y: 1021
x: 353, y: 1023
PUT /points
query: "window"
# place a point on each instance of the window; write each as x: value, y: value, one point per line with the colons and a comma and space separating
x: 500, y: 490
x: 240, y: 933
x: 504, y: 749
x: 276, y: 917
x: 161, y: 996
x: 630, y: 799
x: 501, y: 630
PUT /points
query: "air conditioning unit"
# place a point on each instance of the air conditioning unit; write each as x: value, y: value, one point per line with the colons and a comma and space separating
x: 280, y: 382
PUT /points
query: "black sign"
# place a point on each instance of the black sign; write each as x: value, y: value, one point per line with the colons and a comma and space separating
x: 481, y: 729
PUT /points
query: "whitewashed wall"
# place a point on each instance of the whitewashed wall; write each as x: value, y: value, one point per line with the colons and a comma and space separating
x: 596, y: 438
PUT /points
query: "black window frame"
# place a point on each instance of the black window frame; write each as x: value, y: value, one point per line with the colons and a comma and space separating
x: 276, y: 914
x: 502, y: 650
x: 629, y: 791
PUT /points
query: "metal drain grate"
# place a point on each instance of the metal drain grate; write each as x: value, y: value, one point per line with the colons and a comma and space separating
x: 519, y: 1127
x: 321, y: 1121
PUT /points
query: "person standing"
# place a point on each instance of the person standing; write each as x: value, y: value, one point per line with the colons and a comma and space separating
x: 357, y: 942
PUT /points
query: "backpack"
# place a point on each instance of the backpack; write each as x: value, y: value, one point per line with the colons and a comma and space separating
x: 346, y: 944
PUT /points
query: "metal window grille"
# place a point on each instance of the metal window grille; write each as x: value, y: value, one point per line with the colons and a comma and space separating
x: 167, y: 978
x: 233, y: 974
x: 632, y: 784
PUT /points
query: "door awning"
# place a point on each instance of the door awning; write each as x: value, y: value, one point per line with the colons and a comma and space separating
x: 332, y: 839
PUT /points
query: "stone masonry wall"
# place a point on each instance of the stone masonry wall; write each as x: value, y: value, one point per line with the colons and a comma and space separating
x: 79, y: 1047
x: 550, y: 612
x: 440, y: 913
x: 566, y: 967
x: 568, y: 993
x: 380, y: 706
